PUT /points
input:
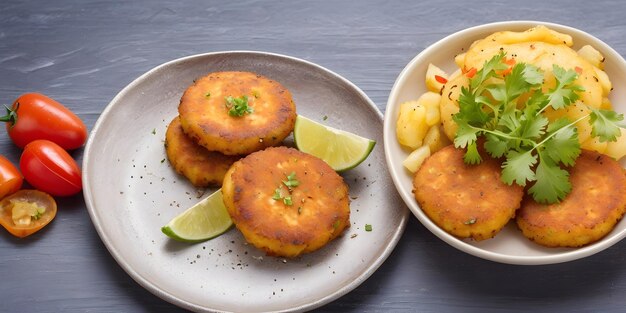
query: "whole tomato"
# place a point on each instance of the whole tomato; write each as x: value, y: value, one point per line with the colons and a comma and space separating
x: 10, y: 178
x: 49, y: 168
x: 34, y: 116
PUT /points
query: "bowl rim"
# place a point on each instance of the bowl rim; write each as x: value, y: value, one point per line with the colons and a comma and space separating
x: 407, y: 196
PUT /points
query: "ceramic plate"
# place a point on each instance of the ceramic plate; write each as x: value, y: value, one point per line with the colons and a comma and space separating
x: 131, y: 191
x: 509, y: 246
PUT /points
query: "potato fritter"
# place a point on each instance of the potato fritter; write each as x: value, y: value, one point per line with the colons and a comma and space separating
x: 596, y: 203
x: 467, y: 201
x: 205, y: 113
x: 202, y: 167
x: 286, y: 202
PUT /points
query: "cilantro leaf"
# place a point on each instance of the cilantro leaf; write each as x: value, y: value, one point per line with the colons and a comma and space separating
x: 489, y: 70
x: 534, y: 127
x: 562, y: 145
x: 532, y: 74
x: 471, y: 155
x: 604, y: 124
x: 465, y: 134
x: 552, y: 184
x: 470, y: 109
x: 495, y: 146
x: 518, y: 167
x: 564, y: 93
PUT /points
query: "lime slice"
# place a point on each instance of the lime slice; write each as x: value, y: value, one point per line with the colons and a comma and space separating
x: 204, y: 220
x: 340, y: 149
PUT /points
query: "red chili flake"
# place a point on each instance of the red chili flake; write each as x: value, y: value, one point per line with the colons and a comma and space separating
x: 441, y: 79
x: 471, y: 72
x: 578, y: 70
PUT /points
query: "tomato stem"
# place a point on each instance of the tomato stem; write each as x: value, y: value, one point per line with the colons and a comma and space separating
x: 11, y: 115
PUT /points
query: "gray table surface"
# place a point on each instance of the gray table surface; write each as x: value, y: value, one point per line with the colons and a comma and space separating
x: 83, y: 52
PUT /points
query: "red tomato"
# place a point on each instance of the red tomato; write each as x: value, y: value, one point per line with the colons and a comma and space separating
x: 10, y: 178
x: 34, y: 116
x: 49, y: 168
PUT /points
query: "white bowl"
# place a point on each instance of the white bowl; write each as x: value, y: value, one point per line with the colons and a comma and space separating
x: 509, y: 246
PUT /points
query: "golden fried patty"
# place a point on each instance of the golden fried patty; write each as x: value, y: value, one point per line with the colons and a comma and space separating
x: 205, y: 114
x: 279, y: 217
x: 201, y: 166
x: 467, y: 201
x: 595, y: 204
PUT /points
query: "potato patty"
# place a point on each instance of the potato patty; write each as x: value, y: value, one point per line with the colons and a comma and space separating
x: 467, y: 201
x: 204, y: 112
x: 202, y: 167
x: 282, y: 220
x: 596, y: 203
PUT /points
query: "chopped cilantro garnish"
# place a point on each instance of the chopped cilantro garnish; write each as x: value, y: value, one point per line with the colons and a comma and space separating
x: 277, y: 194
x: 291, y: 181
x: 287, y: 200
x: 533, y: 147
x: 368, y: 227
x: 238, y: 106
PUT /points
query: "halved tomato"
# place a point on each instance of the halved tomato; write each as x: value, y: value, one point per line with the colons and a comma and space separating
x: 27, y: 211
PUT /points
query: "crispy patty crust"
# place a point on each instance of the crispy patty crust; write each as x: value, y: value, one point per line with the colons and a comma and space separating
x: 467, y: 201
x: 596, y: 203
x: 202, y: 167
x: 256, y: 190
x: 204, y: 112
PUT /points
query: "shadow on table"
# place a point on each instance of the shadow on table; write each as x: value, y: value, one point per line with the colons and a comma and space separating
x: 425, y: 274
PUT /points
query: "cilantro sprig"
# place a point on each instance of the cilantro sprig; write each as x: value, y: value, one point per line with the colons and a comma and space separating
x: 238, y: 106
x: 506, y: 109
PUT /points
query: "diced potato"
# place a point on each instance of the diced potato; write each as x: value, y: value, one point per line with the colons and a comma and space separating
x: 459, y: 59
x: 594, y: 144
x: 617, y: 149
x: 604, y: 81
x: 435, y: 139
x: 430, y: 100
x: 416, y: 158
x: 431, y: 81
x: 592, y: 55
x: 411, y: 125
x: 606, y: 104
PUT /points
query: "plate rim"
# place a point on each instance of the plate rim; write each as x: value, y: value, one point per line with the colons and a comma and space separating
x: 487, y: 28
x: 154, y: 289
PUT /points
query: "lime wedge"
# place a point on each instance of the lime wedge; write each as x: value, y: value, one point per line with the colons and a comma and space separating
x: 204, y: 220
x: 342, y: 150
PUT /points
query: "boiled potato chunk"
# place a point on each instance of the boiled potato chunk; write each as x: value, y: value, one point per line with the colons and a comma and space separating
x: 431, y: 80
x: 604, y: 81
x: 617, y: 149
x: 459, y: 59
x: 592, y: 55
x: 606, y: 104
x: 449, y: 105
x: 430, y: 100
x: 416, y: 158
x: 411, y: 126
x: 594, y: 144
x: 435, y: 139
